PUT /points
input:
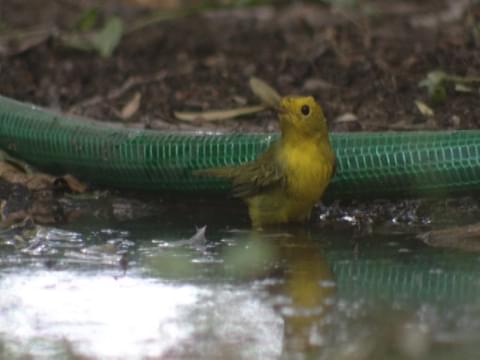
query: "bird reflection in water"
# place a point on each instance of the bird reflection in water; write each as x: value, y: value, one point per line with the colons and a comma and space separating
x: 302, y: 285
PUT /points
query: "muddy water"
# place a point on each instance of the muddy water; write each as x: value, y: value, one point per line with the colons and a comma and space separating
x: 356, y: 284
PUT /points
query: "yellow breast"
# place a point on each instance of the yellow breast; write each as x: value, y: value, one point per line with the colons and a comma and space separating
x: 309, y: 166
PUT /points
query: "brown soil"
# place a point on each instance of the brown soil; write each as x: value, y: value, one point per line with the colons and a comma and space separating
x: 364, y: 61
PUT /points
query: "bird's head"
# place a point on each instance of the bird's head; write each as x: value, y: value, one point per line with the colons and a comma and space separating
x: 303, y: 116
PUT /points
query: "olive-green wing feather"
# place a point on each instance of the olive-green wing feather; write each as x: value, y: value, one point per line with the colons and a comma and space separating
x: 254, y: 177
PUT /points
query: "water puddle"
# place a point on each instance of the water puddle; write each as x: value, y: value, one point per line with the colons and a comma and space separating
x: 357, y: 284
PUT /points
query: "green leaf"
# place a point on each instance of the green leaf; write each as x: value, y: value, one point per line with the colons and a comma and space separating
x: 103, y: 41
x: 80, y: 41
x: 433, y: 80
x: 438, y: 94
x: 107, y: 39
x: 435, y: 84
x: 87, y: 20
x: 436, y: 81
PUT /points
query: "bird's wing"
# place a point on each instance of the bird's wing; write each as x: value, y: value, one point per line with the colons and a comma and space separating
x: 254, y: 177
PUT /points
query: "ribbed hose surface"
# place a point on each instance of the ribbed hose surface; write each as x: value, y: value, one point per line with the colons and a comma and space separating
x: 368, y: 164
x: 411, y: 281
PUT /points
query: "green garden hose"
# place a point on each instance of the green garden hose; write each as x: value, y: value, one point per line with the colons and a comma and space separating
x: 384, y: 164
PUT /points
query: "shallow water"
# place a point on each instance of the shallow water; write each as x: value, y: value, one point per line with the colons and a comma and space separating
x: 128, y: 280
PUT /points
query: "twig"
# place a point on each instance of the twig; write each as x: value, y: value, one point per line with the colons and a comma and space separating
x: 130, y: 83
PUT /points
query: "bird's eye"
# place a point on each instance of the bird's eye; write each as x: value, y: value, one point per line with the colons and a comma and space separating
x: 305, y: 110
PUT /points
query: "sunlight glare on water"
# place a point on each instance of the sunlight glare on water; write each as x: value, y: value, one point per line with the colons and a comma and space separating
x: 105, y: 316
x: 129, y: 317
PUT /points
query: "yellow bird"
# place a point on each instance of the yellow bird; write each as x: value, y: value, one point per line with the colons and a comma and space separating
x: 284, y: 183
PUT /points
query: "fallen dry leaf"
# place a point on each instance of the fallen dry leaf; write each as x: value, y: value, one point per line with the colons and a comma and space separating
x: 424, y: 109
x: 74, y: 184
x: 265, y: 92
x: 218, y: 115
x: 17, y: 172
x: 462, y: 88
x: 403, y: 124
x: 131, y: 107
x: 15, y: 175
x: 459, y: 237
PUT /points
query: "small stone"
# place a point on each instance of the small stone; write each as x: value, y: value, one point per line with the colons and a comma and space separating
x: 346, y: 118
x: 455, y: 121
